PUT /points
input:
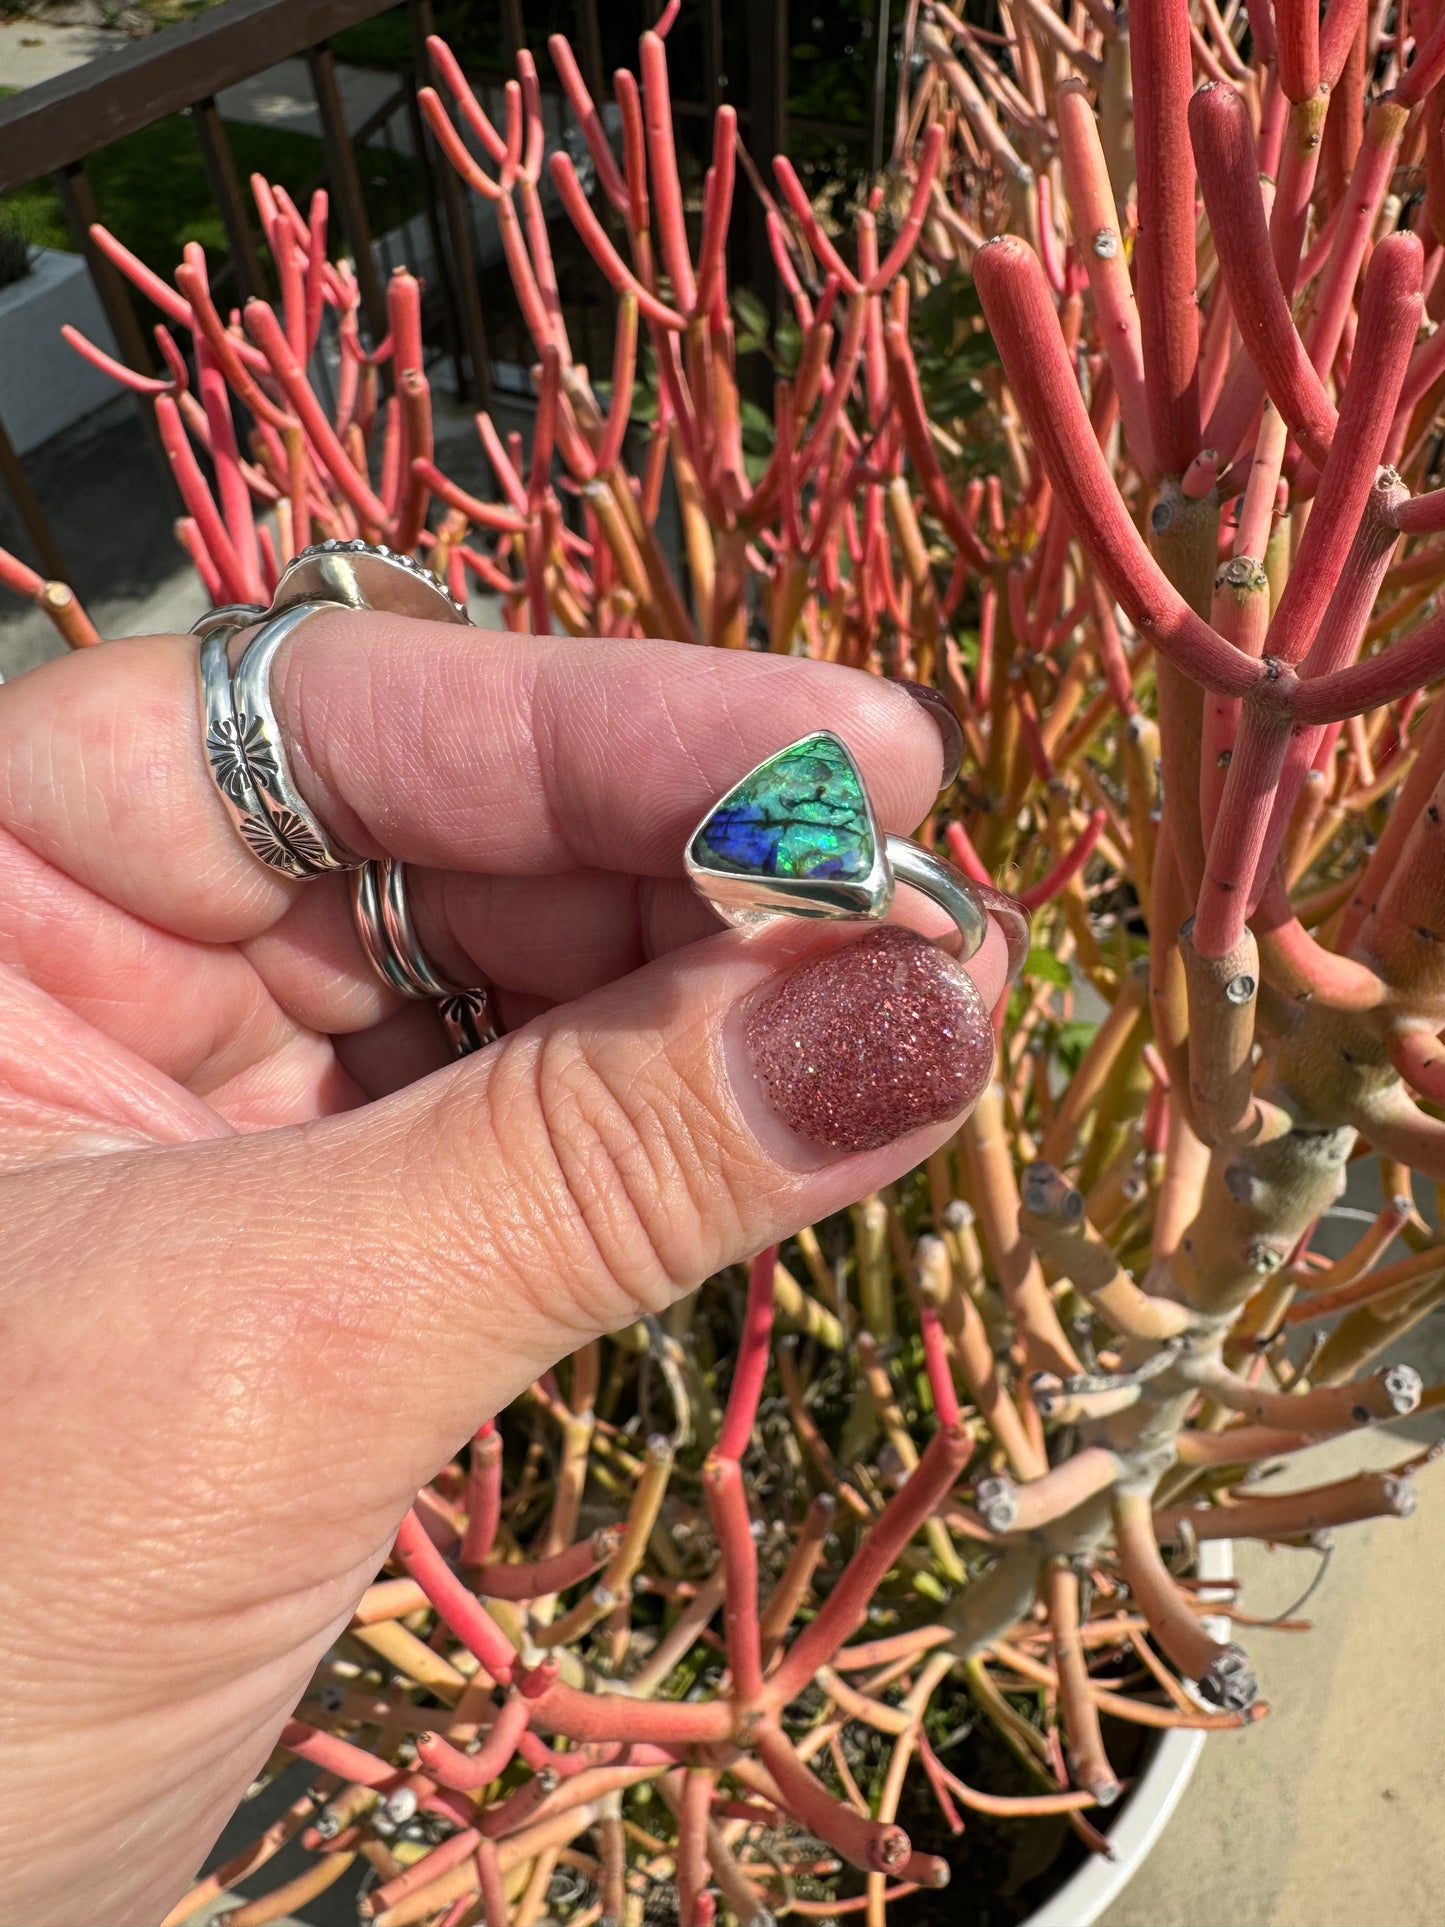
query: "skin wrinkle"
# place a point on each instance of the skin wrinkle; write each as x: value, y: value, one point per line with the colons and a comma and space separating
x: 596, y: 1170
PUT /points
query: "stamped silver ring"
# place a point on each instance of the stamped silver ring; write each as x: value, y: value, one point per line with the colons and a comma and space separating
x: 243, y: 744
x: 296, y: 834
x: 388, y: 936
x: 797, y: 838
x: 243, y: 763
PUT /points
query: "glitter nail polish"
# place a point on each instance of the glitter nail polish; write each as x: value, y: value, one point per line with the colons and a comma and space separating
x: 866, y: 1042
x: 940, y: 711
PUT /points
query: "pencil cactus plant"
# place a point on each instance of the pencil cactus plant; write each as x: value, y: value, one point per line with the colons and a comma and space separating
x: 1113, y: 416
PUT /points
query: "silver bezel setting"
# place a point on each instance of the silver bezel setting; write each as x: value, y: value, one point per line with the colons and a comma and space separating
x: 745, y: 900
x: 366, y: 575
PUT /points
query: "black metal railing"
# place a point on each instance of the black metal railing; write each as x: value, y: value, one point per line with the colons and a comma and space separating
x: 54, y: 130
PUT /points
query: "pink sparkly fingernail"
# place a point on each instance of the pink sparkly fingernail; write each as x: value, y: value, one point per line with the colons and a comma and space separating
x: 872, y: 1040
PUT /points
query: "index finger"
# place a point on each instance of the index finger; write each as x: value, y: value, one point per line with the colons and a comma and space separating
x: 455, y: 748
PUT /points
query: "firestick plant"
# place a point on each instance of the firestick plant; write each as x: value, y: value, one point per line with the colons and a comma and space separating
x: 1113, y: 416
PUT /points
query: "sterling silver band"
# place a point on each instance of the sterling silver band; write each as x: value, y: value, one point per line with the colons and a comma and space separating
x: 297, y: 836
x: 388, y: 936
x: 240, y: 759
x: 931, y: 877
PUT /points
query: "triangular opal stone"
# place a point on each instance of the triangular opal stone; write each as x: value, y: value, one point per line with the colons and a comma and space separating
x: 800, y: 815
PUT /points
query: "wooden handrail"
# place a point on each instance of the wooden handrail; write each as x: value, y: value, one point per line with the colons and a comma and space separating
x: 61, y: 121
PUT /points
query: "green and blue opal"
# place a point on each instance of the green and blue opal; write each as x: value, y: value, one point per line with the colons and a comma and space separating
x: 800, y: 815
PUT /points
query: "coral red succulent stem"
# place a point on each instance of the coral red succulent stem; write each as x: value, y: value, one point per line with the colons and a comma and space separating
x: 469, y: 1620
x: 1016, y: 300
x: 1164, y: 250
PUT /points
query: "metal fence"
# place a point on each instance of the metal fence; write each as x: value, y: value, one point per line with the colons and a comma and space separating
x: 55, y: 129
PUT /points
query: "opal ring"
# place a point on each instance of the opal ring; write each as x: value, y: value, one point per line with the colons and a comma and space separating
x: 388, y: 936
x: 797, y: 838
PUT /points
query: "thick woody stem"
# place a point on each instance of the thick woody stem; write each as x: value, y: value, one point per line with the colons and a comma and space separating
x: 1295, y: 1515
x: 1088, y: 1759
x: 1164, y: 251
x: 1006, y: 1507
x: 1021, y: 1281
x: 1053, y: 1218
x: 1223, y: 996
x: 1393, y: 1392
x: 1020, y: 312
x: 1221, y: 1672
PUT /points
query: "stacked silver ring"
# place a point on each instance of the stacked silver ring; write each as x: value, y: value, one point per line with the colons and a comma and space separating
x: 247, y: 759
x: 383, y: 921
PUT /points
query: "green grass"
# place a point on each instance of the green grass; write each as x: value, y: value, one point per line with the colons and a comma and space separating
x: 152, y: 192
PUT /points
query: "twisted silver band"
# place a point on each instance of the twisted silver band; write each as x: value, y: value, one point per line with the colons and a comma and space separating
x: 388, y: 936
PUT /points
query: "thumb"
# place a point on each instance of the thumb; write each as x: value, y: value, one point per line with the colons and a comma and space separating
x: 324, y: 1314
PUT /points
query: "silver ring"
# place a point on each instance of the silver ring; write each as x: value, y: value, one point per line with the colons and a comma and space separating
x: 297, y: 838
x: 388, y: 936
x: 797, y: 838
x: 240, y: 760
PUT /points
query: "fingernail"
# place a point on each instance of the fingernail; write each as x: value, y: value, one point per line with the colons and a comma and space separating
x: 864, y: 1043
x: 949, y: 728
x: 1015, y: 922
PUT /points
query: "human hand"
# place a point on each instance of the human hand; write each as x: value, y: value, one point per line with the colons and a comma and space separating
x: 270, y: 1257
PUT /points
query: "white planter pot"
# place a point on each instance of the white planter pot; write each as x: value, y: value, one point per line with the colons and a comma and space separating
x: 1093, y: 1888
x: 44, y: 383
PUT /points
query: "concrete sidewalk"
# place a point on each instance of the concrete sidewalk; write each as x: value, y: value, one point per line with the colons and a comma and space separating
x: 1331, y: 1813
